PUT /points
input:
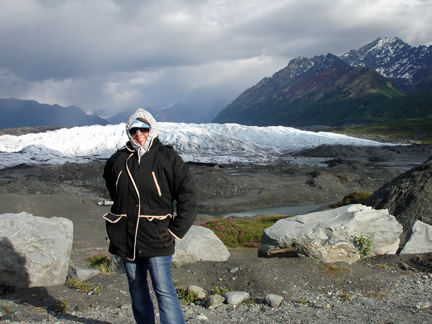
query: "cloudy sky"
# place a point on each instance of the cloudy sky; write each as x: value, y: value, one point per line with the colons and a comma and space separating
x: 114, y: 55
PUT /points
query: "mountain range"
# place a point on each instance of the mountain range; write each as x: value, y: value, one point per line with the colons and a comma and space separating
x: 383, y: 81
x: 19, y: 113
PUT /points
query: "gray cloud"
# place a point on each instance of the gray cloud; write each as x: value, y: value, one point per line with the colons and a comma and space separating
x: 113, y: 55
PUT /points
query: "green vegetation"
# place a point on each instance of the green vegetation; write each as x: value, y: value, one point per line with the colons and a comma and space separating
x: 408, y: 117
x: 216, y: 290
x: 415, y: 129
x: 363, y: 244
x: 192, y: 297
x: 302, y: 301
x: 342, y: 178
x: 185, y: 297
x: 242, y: 231
x: 100, y: 262
x: 82, y: 286
x: 61, y: 307
x: 344, y: 296
x: 357, y: 197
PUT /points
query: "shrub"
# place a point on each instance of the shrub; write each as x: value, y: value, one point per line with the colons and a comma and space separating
x: 357, y: 197
x: 241, y: 231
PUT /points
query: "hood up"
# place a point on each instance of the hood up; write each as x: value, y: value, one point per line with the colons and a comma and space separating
x: 154, y: 131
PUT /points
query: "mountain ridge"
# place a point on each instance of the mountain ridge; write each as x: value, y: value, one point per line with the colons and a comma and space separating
x: 295, y: 95
x: 29, y: 113
x: 361, y: 87
x: 409, y: 68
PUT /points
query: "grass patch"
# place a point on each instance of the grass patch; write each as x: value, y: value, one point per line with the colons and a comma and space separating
x: 357, y: 197
x: 82, y: 286
x: 333, y: 270
x: 187, y: 298
x: 100, y: 262
x: 241, y: 232
x: 216, y: 290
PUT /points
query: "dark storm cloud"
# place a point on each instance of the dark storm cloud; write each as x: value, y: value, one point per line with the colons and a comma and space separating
x: 113, y: 54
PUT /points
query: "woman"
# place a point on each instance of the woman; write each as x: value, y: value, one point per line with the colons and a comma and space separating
x: 145, y: 179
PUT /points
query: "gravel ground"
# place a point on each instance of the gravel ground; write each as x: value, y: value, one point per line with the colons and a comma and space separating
x: 370, y: 292
x: 384, y: 289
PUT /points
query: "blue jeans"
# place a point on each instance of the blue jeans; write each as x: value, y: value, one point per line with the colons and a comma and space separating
x: 142, y: 304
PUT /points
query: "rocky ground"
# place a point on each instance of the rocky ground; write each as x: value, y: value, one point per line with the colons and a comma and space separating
x: 385, y: 289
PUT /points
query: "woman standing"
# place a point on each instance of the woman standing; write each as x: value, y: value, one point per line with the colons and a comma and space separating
x: 145, y: 179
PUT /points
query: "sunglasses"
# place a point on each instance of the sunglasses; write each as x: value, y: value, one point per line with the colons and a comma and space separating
x: 143, y: 130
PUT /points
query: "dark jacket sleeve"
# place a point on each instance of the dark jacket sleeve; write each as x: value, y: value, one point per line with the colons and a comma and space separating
x: 109, y: 176
x: 185, y: 194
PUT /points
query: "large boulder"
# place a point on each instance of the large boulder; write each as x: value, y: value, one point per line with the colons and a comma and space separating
x: 338, y: 235
x: 420, y: 239
x: 200, y: 244
x: 34, y: 251
x: 407, y: 197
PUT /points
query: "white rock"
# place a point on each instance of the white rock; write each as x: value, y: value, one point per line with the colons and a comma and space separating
x: 214, y: 301
x: 273, y: 300
x: 420, y: 240
x: 82, y: 274
x: 330, y: 251
x: 235, y: 297
x: 200, y: 244
x: 200, y: 292
x: 34, y: 251
x: 343, y: 224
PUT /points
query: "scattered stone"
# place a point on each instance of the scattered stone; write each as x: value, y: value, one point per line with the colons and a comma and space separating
x: 34, y: 251
x: 420, y: 239
x: 200, y: 244
x: 404, y: 266
x: 214, y: 301
x: 273, y: 300
x: 234, y: 270
x: 423, y: 305
x: 235, y: 297
x: 200, y: 292
x: 82, y: 274
x: 202, y: 317
x: 116, y: 265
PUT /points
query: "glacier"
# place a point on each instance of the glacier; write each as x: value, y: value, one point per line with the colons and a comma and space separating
x: 202, y: 143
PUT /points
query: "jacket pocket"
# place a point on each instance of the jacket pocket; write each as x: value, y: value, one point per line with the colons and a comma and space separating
x: 166, y: 237
x: 113, y: 218
x: 116, y: 230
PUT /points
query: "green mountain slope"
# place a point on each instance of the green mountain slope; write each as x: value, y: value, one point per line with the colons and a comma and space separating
x: 409, y: 117
x: 319, y: 91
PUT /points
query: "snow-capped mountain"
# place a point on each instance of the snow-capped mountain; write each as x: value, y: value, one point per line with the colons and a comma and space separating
x: 216, y: 143
x: 409, y: 68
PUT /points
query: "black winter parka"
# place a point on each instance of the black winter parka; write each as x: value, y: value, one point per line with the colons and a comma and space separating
x: 141, y: 222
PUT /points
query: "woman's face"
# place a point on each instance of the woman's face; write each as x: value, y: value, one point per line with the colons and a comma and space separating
x: 140, y: 138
